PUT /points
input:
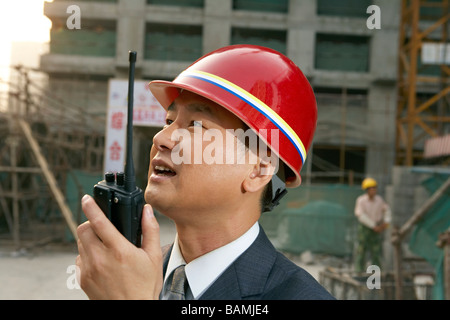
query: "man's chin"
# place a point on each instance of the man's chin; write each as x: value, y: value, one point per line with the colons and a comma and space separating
x: 157, y: 199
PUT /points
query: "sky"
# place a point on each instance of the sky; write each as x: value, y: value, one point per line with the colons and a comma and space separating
x: 21, y: 20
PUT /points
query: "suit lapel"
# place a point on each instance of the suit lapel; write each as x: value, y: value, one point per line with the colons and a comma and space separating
x: 226, y: 287
x: 247, y: 276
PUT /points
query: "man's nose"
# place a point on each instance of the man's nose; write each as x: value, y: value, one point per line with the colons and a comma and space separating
x: 162, y: 140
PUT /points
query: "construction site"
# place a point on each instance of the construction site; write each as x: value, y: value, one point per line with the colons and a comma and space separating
x: 383, y: 99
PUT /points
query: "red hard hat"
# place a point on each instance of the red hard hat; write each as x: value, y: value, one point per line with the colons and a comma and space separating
x: 263, y: 88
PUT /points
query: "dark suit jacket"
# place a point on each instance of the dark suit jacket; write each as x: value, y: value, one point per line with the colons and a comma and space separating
x: 261, y: 272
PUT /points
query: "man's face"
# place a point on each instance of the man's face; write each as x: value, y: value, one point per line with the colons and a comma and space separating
x: 182, y: 180
x: 372, y: 192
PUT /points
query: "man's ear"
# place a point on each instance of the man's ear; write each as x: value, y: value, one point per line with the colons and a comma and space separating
x: 259, y: 176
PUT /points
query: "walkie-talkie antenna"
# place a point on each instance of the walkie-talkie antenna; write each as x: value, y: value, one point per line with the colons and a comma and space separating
x: 130, y: 181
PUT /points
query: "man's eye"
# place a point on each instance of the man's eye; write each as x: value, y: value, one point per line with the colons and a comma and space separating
x: 196, y: 124
x: 168, y: 123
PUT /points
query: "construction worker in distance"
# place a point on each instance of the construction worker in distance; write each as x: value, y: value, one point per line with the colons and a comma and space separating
x: 213, y: 193
x: 374, y: 216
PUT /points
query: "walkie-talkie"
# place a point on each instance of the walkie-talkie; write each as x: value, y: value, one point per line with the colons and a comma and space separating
x: 118, y: 196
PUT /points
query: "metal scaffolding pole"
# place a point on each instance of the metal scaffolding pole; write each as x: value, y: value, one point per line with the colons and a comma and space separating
x: 415, y: 120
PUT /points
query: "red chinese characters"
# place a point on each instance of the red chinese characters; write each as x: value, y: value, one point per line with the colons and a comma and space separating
x: 114, y: 151
x: 117, y: 120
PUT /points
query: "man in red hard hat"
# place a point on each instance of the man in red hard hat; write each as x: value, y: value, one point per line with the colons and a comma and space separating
x: 213, y: 180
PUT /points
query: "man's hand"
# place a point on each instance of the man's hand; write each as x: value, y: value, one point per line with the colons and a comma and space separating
x: 110, y: 266
x: 380, y: 227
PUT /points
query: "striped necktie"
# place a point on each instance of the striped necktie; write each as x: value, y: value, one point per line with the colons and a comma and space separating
x: 179, y: 284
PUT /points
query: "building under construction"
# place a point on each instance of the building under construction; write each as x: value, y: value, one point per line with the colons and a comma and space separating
x: 383, y: 105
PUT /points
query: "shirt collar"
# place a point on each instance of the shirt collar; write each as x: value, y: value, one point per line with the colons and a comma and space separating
x: 204, y: 270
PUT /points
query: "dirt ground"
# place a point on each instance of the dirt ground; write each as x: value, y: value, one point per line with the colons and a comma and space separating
x: 47, y: 273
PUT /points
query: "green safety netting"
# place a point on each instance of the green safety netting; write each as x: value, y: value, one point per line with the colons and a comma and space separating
x: 317, y: 218
x: 426, y: 232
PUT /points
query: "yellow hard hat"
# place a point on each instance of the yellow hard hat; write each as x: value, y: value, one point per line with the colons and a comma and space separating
x: 368, y: 183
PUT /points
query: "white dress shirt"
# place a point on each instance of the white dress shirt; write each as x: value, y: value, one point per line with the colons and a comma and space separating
x: 203, y: 271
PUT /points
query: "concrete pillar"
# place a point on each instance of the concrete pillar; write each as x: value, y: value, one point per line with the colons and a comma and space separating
x: 130, y: 35
x: 301, y: 34
x: 384, y: 42
x: 217, y: 25
x: 381, y: 127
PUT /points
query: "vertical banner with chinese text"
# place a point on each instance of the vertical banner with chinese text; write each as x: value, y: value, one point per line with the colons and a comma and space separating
x: 146, y: 112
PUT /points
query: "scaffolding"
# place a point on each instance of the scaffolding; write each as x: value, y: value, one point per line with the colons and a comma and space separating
x: 419, y: 117
x: 43, y: 139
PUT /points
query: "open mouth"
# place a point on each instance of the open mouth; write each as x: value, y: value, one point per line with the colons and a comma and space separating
x: 164, y: 171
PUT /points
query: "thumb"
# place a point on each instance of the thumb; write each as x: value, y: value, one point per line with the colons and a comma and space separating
x: 150, y: 231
